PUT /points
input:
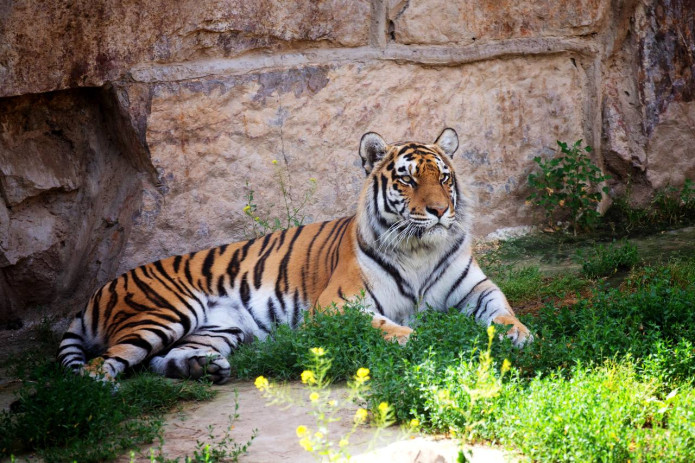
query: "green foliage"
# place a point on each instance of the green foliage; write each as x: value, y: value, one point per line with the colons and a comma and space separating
x: 528, y: 284
x: 566, y: 187
x: 668, y: 208
x: 348, y: 335
x: 606, y: 413
x: 66, y: 417
x: 604, y: 261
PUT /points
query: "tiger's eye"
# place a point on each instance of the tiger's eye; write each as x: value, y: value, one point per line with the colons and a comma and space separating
x: 407, y: 179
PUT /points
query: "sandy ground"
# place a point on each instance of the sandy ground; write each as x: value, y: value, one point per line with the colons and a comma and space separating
x: 276, y: 426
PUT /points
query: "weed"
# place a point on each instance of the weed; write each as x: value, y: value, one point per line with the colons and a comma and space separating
x: 292, y: 216
x: 214, y: 450
x: 566, y: 188
x: 604, y: 261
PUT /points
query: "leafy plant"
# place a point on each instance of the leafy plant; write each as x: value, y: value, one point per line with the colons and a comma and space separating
x: 604, y: 261
x: 566, y: 187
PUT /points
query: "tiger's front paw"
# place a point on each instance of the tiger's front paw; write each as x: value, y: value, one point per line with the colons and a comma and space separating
x: 392, y: 330
x: 518, y: 333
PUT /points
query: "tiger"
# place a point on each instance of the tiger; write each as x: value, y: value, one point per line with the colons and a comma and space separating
x: 407, y: 248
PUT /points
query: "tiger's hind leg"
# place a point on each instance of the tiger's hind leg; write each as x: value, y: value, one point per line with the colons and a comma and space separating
x: 205, y: 351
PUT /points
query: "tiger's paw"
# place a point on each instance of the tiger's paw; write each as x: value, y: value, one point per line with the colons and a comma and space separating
x: 518, y: 333
x: 392, y: 330
x: 193, y: 364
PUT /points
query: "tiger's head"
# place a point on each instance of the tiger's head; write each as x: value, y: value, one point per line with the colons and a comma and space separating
x: 412, y: 196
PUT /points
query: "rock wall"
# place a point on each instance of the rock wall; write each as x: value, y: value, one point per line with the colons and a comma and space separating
x: 130, y: 130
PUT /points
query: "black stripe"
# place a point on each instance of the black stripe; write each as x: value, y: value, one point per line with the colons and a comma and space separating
x: 458, y: 305
x: 162, y: 302
x: 181, y: 288
x: 118, y: 359
x: 388, y: 268
x: 336, y: 236
x: 272, y: 311
x: 283, y: 274
x: 206, y: 270
x: 233, y: 268
x: 266, y: 238
x: 482, y: 296
x: 70, y: 335
x: 440, y: 268
x: 259, y: 268
x: 137, y: 342
x: 177, y: 263
x: 379, y: 308
x: 377, y: 213
x: 245, y: 290
x: 384, y: 182
x: 221, y: 291
x: 96, y: 299
x: 459, y: 279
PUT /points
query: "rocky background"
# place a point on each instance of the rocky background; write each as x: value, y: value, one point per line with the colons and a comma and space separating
x: 132, y: 130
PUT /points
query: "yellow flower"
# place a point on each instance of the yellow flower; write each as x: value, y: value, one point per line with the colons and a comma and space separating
x: 332, y: 403
x: 360, y: 415
x: 308, y: 377
x: 247, y: 208
x: 314, y: 396
x: 318, y: 351
x: 306, y: 444
x: 301, y: 430
x: 383, y: 407
x: 318, y: 435
x: 343, y: 443
x: 506, y: 366
x: 414, y: 423
x: 262, y: 383
x: 362, y: 375
x: 490, y: 331
x: 275, y: 162
x: 312, y: 179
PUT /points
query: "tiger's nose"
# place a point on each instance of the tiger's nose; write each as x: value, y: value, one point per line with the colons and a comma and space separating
x: 437, y: 209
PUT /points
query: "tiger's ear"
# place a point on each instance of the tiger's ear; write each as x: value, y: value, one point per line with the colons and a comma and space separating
x: 448, y: 141
x: 372, y: 150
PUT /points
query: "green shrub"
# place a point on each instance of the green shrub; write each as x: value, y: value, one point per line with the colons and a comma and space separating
x: 566, y: 187
x: 604, y: 261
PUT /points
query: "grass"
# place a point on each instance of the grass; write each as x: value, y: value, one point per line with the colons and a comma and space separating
x: 608, y: 378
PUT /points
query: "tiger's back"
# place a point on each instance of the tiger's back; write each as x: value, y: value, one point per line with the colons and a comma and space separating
x: 211, y: 300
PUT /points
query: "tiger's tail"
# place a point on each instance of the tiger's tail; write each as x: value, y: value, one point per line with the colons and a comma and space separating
x: 72, y: 352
